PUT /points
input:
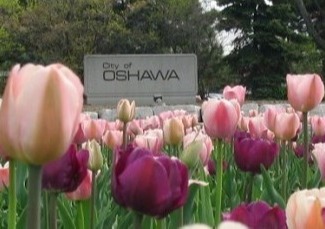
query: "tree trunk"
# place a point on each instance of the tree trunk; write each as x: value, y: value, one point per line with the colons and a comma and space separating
x: 310, y: 27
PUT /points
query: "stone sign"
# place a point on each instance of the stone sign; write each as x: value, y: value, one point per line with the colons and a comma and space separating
x: 147, y: 79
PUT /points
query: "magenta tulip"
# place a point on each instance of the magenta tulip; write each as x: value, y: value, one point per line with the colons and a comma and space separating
x: 66, y: 173
x: 305, y: 92
x: 220, y: 118
x: 258, y: 215
x: 251, y: 153
x: 40, y: 112
x: 150, y: 184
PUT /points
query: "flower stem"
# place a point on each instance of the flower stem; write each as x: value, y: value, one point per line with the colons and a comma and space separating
x: 125, y: 136
x: 219, y: 148
x: 249, y: 188
x: 285, y: 171
x: 34, y: 197
x: 93, y: 200
x: 12, y: 195
x: 80, y: 216
x: 305, y: 140
x: 137, y: 220
x: 52, y: 210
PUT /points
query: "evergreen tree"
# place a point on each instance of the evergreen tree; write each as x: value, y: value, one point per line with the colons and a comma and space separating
x: 266, y: 45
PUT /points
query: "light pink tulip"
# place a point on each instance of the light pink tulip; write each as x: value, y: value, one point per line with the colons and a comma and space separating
x: 305, y: 92
x: 113, y: 138
x: 83, y: 192
x: 151, y: 122
x: 256, y: 127
x: 237, y: 92
x: 304, y: 209
x: 94, y: 128
x: 286, y: 126
x: 151, y: 139
x: 243, y: 123
x: 269, y: 116
x: 40, y: 111
x: 319, y: 153
x: 207, y: 148
x: 253, y: 113
x: 220, y: 118
x: 318, y: 125
x: 4, y: 176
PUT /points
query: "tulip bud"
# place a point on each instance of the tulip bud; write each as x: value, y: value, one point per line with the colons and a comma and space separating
x: 173, y: 131
x: 95, y: 161
x: 191, y: 154
x: 125, y: 110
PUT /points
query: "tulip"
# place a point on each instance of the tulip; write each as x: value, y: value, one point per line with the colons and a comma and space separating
x: 94, y: 128
x: 207, y: 146
x: 318, y: 125
x: 305, y: 92
x: 80, y: 137
x: 173, y: 131
x: 151, y: 139
x: 220, y: 118
x: 231, y: 225
x: 83, y: 191
x: 40, y: 112
x: 251, y: 153
x: 319, y: 153
x: 95, y: 160
x: 125, y: 110
x: 286, y: 126
x: 269, y: 116
x: 258, y: 215
x: 237, y: 92
x: 4, y: 176
x: 149, y: 184
x: 305, y: 209
x: 256, y: 127
x: 113, y: 138
x: 196, y: 226
x: 66, y: 173
x: 243, y: 123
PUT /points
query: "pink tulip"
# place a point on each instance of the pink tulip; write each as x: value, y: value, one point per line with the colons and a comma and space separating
x: 269, y: 116
x: 40, y: 112
x: 151, y: 139
x: 237, y: 92
x: 4, y: 176
x: 305, y: 92
x: 94, y: 128
x: 151, y: 122
x: 256, y: 127
x: 220, y: 118
x: 318, y: 125
x: 286, y: 126
x: 207, y: 148
x: 83, y: 192
x: 113, y: 138
x: 253, y: 113
x: 319, y: 153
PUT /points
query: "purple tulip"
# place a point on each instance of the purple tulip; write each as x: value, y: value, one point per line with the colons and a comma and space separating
x: 150, y: 184
x: 66, y: 173
x: 258, y: 215
x: 251, y: 153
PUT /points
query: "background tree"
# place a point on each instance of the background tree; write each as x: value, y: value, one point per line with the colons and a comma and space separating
x: 267, y: 46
